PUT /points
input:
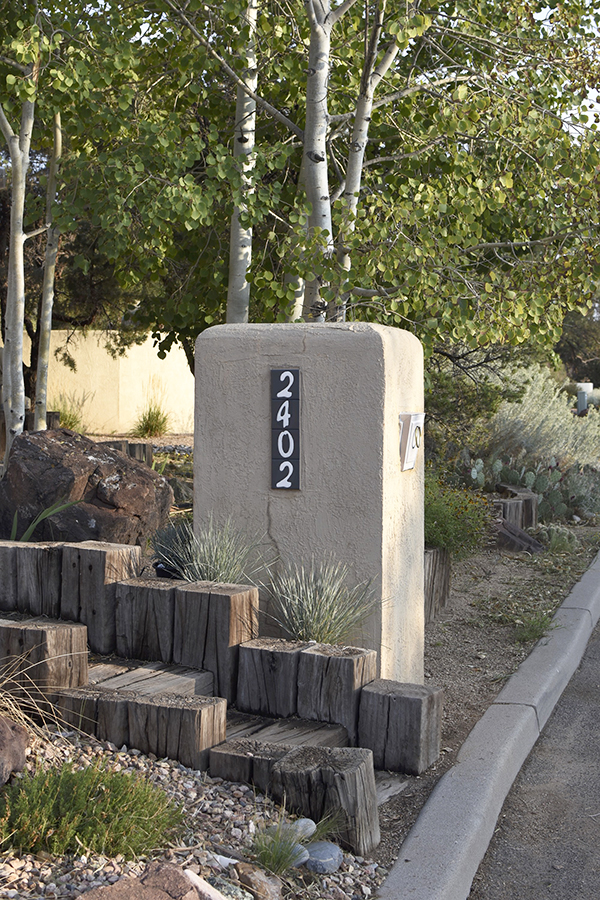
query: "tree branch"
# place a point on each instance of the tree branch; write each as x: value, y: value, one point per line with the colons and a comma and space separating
x: 398, y: 157
x: 336, y: 14
x: 14, y: 64
x: 517, y: 245
x: 5, y: 125
x: 398, y: 95
x: 275, y: 113
x: 35, y: 232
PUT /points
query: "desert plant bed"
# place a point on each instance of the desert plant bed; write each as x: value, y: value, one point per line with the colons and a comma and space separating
x: 470, y: 650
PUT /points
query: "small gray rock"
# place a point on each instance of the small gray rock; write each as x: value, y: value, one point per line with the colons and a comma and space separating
x: 300, y: 829
x: 324, y: 857
x: 305, y: 828
x: 301, y: 855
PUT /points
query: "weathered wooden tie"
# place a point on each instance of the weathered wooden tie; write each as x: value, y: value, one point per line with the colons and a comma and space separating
x: 401, y: 724
x: 313, y: 781
x: 268, y: 676
x: 144, y: 616
x: 151, y: 678
x: 246, y: 761
x: 166, y: 724
x: 39, y: 653
x: 293, y: 731
x: 90, y: 571
x: 39, y: 579
x: 8, y: 576
x: 210, y: 623
x: 337, y: 781
x: 529, y: 501
x: 330, y: 679
x: 437, y: 581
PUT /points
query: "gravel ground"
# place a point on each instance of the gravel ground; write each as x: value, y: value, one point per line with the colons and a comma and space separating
x: 221, y: 819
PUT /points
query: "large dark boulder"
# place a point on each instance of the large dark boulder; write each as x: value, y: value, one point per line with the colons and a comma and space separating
x: 120, y: 500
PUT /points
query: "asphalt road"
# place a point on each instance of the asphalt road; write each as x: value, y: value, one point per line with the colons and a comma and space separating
x: 546, y: 845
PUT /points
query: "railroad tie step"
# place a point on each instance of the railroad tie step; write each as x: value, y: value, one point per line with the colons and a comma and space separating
x: 165, y: 724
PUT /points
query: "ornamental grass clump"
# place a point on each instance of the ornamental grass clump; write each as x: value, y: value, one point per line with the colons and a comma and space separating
x: 153, y: 421
x: 215, y: 553
x: 279, y: 847
x: 65, y: 810
x: 277, y: 851
x: 315, y: 603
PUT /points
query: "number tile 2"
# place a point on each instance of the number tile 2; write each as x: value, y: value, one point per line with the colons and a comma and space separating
x: 285, y: 429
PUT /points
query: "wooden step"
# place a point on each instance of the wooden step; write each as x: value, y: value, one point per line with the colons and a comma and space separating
x: 151, y: 678
x: 293, y: 731
x: 313, y: 780
x: 167, y: 725
x: 43, y: 653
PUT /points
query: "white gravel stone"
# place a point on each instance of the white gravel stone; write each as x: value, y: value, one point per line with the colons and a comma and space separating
x: 221, y: 818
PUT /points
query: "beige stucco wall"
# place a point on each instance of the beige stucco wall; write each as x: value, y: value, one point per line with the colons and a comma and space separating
x: 355, y: 503
x: 118, y: 390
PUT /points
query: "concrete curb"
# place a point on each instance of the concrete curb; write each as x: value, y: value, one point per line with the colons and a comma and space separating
x: 441, y: 855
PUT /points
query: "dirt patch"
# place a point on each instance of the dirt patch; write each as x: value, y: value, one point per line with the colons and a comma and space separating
x: 471, y: 650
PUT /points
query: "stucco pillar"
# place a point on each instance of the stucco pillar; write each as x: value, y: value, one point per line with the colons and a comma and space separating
x: 354, y: 502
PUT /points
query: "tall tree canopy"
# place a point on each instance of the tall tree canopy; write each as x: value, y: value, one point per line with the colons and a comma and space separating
x: 424, y: 165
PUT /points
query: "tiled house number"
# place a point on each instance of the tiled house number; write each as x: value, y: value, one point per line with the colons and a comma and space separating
x: 285, y: 429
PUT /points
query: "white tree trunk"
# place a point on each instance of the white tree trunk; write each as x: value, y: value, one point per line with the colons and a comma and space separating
x: 13, y: 387
x: 45, y: 326
x: 371, y: 78
x: 240, y: 242
x: 314, y: 161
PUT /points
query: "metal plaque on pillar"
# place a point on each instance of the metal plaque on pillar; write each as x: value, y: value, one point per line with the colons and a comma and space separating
x: 285, y: 429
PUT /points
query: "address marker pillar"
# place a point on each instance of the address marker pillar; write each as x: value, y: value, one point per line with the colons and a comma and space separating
x: 303, y: 433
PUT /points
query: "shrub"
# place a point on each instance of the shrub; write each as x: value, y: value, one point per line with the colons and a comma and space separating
x: 315, y: 603
x: 456, y: 519
x: 153, y: 421
x: 70, y: 406
x: 541, y: 426
x: 60, y: 811
x: 214, y: 554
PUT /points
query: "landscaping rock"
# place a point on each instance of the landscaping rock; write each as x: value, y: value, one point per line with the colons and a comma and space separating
x: 206, y: 891
x: 226, y: 888
x: 263, y: 886
x: 324, y: 857
x: 119, y: 500
x: 14, y: 740
x: 300, y: 829
x: 160, y: 881
x: 183, y: 492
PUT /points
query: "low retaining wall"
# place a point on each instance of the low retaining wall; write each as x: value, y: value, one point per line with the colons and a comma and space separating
x: 213, y: 627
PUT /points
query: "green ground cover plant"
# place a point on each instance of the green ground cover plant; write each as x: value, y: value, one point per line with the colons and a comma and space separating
x: 456, y: 519
x: 66, y: 810
x: 315, y: 602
